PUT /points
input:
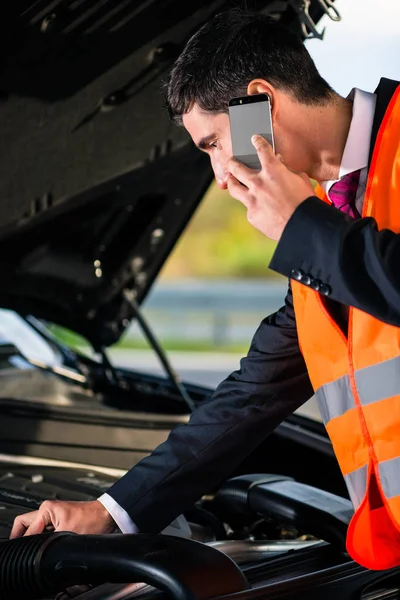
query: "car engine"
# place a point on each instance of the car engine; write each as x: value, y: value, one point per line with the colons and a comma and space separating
x: 251, y: 519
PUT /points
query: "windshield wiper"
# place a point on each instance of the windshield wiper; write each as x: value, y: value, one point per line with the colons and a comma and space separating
x: 69, y: 356
x: 109, y: 370
x: 64, y: 372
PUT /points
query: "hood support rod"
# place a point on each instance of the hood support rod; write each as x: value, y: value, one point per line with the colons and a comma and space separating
x: 149, y: 335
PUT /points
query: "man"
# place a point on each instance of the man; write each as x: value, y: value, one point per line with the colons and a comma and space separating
x: 337, y: 262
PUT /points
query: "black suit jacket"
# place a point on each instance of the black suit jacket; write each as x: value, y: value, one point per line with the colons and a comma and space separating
x: 272, y: 381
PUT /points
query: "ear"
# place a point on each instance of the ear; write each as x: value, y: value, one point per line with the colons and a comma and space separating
x: 261, y: 86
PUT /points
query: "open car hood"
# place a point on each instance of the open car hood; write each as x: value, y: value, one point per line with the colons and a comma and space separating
x: 96, y: 185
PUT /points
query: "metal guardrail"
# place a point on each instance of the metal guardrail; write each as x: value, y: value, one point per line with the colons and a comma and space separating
x: 220, y: 312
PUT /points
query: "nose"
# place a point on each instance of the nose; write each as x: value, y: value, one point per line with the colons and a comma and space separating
x: 221, y: 175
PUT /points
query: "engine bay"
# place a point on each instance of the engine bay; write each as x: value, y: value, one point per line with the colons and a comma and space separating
x: 259, y: 521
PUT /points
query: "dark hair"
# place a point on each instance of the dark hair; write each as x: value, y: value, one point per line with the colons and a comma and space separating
x: 234, y: 47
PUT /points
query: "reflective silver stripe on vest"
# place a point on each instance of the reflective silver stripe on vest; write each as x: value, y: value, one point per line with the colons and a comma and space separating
x: 335, y: 398
x: 357, y: 485
x: 379, y: 381
x: 374, y: 383
x: 389, y: 474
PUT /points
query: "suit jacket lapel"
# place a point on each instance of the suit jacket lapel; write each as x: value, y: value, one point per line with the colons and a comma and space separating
x: 384, y: 93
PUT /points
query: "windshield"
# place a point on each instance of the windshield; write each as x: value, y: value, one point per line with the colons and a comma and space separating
x: 15, y: 330
x: 22, y: 346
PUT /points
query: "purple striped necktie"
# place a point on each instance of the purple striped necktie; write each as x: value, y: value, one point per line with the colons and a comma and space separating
x: 343, y: 194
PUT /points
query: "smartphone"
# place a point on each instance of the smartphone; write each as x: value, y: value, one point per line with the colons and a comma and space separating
x: 250, y: 115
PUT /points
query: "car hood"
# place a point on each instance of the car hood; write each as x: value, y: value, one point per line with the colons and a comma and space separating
x: 96, y: 185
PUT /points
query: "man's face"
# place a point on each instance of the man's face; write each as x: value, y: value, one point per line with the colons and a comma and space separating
x: 211, y: 133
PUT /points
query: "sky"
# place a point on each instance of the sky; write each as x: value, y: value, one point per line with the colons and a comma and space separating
x: 362, y: 47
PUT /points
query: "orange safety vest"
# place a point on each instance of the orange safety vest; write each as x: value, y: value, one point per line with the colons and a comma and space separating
x: 357, y: 379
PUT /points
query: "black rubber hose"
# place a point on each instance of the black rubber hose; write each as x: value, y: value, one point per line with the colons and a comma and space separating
x: 35, y: 566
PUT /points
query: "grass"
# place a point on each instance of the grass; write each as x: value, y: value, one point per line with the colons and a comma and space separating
x: 220, y: 243
x: 181, y: 345
x: 71, y: 339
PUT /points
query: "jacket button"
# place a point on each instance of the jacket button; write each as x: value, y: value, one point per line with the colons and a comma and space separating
x: 297, y: 274
x: 324, y: 289
x: 306, y: 279
x: 316, y: 284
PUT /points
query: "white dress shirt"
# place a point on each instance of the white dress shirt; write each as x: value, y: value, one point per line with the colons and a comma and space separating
x: 355, y: 157
x: 356, y: 151
x: 119, y: 514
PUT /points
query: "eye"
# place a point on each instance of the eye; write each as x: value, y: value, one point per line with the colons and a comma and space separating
x: 214, y: 145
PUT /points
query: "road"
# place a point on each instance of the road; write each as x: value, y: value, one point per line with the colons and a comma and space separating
x: 207, y: 369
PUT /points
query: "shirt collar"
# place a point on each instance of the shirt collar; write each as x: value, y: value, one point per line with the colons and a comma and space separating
x: 356, y: 151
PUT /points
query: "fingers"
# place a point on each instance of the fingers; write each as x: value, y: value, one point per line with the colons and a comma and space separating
x: 79, y: 517
x: 266, y: 157
x: 265, y: 153
x: 33, y: 523
x: 38, y: 525
x: 238, y: 191
x: 22, y: 524
x: 240, y: 171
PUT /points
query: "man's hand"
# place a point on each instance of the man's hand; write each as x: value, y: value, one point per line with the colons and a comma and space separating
x: 79, y: 517
x: 271, y: 195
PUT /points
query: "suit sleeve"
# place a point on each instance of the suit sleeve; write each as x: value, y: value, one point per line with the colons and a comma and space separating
x: 271, y: 384
x: 359, y: 264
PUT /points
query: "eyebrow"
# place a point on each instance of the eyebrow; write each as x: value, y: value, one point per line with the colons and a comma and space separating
x: 203, y: 143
